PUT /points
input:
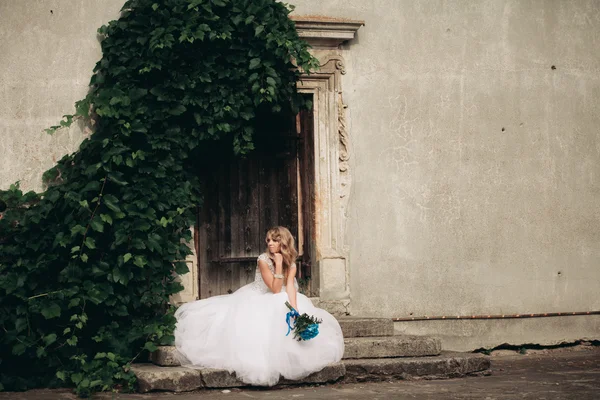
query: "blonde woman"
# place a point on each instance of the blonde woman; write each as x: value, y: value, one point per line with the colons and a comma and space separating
x: 245, y: 332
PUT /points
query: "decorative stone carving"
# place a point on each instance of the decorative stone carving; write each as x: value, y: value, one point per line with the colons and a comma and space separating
x: 332, y: 173
x: 344, y: 143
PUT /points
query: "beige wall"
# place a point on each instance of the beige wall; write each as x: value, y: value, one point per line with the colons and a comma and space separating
x: 48, y: 49
x: 476, y: 167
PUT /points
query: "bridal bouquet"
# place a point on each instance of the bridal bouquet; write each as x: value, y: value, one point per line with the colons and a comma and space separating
x: 305, y: 327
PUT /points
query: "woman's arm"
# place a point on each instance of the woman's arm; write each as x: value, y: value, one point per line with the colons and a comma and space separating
x: 290, y: 288
x: 274, y: 284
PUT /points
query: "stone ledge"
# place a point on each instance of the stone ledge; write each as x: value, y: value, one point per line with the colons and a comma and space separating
x: 172, y: 379
x: 355, y: 347
x: 337, y: 308
x: 330, y: 373
x: 165, y: 356
x: 391, y: 346
x: 366, y: 327
x: 220, y: 378
x: 181, y: 379
x: 447, y: 365
x: 326, y: 32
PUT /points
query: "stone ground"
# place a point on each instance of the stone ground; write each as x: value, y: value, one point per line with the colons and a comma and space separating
x: 571, y: 373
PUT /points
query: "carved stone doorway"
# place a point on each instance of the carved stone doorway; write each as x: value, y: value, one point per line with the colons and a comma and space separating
x: 332, y: 154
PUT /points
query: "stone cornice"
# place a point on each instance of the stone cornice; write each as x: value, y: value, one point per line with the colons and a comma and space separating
x: 325, y: 32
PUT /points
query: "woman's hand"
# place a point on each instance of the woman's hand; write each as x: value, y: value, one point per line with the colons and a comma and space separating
x: 278, y: 259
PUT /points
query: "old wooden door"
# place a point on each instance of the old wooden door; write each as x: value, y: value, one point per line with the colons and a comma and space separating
x: 244, y: 197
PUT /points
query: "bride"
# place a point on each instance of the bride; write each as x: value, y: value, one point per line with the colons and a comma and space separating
x: 245, y: 332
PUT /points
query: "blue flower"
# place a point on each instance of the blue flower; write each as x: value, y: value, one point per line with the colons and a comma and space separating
x: 310, y: 332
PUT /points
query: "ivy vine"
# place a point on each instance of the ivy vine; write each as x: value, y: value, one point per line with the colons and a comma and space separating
x: 87, y: 266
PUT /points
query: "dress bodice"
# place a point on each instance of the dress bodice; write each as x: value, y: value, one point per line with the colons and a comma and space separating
x: 258, y: 280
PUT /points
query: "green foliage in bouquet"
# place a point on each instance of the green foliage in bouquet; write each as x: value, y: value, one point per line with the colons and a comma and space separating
x: 305, y: 327
x: 87, y: 266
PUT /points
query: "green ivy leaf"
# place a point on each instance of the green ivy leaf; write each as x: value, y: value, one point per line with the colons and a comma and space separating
x: 139, y: 261
x: 61, y: 375
x: 90, y: 243
x: 151, y: 347
x: 76, y: 230
x: 49, y: 339
x: 177, y: 110
x: 72, y: 341
x: 111, y: 202
x: 106, y: 218
x: 254, y: 63
x: 119, y: 276
x: 181, y: 268
x: 20, y: 324
x: 97, y: 382
x: 154, y: 244
x: 97, y: 224
x: 74, y: 302
x: 76, y: 378
x: 40, y: 352
x: 117, y: 178
x: 51, y: 311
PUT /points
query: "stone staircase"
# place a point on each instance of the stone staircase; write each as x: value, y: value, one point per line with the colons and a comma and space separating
x: 372, y: 353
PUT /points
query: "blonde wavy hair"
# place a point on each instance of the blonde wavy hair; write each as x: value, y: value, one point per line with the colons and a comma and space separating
x: 287, y: 246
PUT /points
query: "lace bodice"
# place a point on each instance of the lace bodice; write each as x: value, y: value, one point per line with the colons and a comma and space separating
x: 259, y: 283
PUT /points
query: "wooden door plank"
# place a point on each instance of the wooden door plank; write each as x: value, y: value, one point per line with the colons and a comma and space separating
x: 203, y: 243
x: 253, y: 236
x: 224, y: 212
x: 263, y: 195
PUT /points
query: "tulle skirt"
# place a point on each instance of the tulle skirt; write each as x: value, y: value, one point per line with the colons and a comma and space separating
x: 245, y: 332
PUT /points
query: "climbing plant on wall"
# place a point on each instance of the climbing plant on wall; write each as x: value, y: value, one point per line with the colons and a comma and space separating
x: 87, y: 265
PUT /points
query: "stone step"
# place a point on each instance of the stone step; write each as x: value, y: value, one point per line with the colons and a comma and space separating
x: 447, y: 365
x: 391, y: 346
x: 355, y: 347
x: 165, y: 356
x: 181, y: 379
x: 361, y: 327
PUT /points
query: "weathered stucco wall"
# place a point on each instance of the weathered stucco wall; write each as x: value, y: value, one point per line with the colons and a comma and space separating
x: 48, y: 50
x: 475, y: 164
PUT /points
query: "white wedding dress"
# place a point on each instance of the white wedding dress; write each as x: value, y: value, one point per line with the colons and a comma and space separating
x: 245, y: 332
